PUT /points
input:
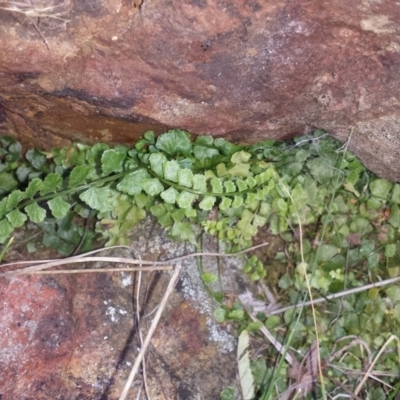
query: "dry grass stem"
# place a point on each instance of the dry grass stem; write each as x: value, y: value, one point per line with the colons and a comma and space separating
x: 45, y: 264
x: 153, y: 326
x: 337, y: 295
x: 370, y: 368
x: 278, y: 346
x: 102, y: 270
x: 138, y: 321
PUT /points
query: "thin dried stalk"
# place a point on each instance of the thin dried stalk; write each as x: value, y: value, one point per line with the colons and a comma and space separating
x: 150, y: 333
x: 45, y: 264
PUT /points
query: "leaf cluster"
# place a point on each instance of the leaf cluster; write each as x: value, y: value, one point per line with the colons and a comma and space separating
x: 177, y: 180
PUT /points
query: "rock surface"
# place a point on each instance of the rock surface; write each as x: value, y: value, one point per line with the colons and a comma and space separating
x: 68, y: 337
x: 110, y: 70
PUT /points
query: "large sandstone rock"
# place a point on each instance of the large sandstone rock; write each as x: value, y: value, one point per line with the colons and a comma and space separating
x: 109, y: 70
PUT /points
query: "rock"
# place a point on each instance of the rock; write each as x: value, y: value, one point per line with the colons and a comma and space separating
x: 75, y: 336
x: 108, y: 71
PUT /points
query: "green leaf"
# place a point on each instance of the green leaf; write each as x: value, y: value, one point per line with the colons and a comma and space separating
x: 149, y: 136
x: 221, y: 170
x: 327, y: 252
x: 158, y: 210
x: 390, y: 250
x: 35, y: 186
x: 380, y: 188
x: 350, y: 188
x: 285, y: 282
x: 219, y: 314
x: 156, y: 162
x: 185, y: 177
x: 199, y: 183
x: 153, y: 187
x: 93, y: 156
x: 216, y: 185
x: 237, y: 201
x: 242, y: 185
x: 396, y: 193
x: 37, y: 159
x: 202, y: 152
x: 7, y: 182
x: 132, y: 183
x: 112, y: 160
x: 360, y: 225
x: 79, y: 175
x: 374, y: 203
x: 225, y: 147
x: 5, y: 229
x: 14, y: 198
x: 225, y: 203
x: 141, y: 200
x: 265, y: 208
x: 229, y: 187
x: 204, y: 140
x: 22, y: 173
x: 236, y: 314
x: 97, y: 198
x: 169, y: 195
x: 128, y: 216
x: 14, y: 152
x: 394, y: 219
x: 16, y: 218
x: 250, y: 182
x: 240, y: 170
x: 251, y: 199
x: 183, y: 231
x: 299, y: 196
x: 35, y: 213
x: 185, y: 199
x: 174, y: 142
x: 190, y: 212
x: 51, y: 183
x: 207, y: 203
x: 3, y: 207
x: 280, y: 206
x: 59, y: 208
x: 171, y: 169
x: 240, y: 157
x: 209, y: 277
x: 259, y: 220
x: 321, y: 169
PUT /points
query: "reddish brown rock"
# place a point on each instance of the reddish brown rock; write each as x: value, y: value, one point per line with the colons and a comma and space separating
x: 237, y: 68
x: 68, y: 337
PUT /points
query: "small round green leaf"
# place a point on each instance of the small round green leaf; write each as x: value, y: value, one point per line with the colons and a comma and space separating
x: 35, y: 213
x: 216, y: 185
x: 16, y: 218
x: 225, y: 203
x: 59, y: 208
x: 169, y: 195
x: 171, y: 169
x: 199, y: 183
x: 207, y: 203
x: 237, y: 201
x: 380, y: 188
x: 79, y: 175
x: 112, y: 160
x: 185, y: 199
x: 185, y: 177
x: 156, y: 162
x: 153, y: 187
